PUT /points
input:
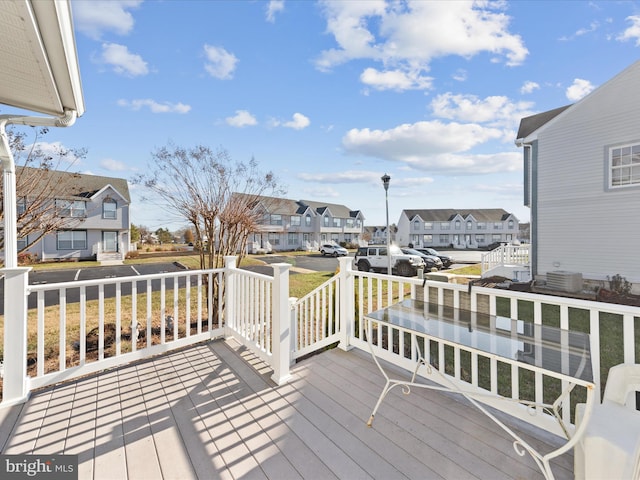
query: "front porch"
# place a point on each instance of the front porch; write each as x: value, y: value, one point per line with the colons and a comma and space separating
x: 212, y: 411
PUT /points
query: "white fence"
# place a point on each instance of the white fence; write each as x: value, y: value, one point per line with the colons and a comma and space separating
x: 505, y: 255
x: 126, y: 319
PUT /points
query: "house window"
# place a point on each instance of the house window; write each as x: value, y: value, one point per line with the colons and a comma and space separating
x: 276, y: 219
x: 469, y: 224
x: 416, y: 225
x: 427, y: 239
x: 349, y: 222
x: 428, y: 225
x: 481, y: 226
x: 624, y: 166
x: 307, y: 220
x: 444, y: 238
x: 295, y: 220
x: 444, y: 226
x: 72, y: 240
x: 22, y: 243
x: 511, y: 224
x: 497, y: 226
x: 292, y: 239
x: 458, y: 225
x: 21, y: 205
x: 336, y: 222
x: 274, y: 239
x: 326, y: 221
x: 71, y: 208
x: 335, y: 237
x: 109, y: 208
x: 347, y: 237
x: 496, y: 237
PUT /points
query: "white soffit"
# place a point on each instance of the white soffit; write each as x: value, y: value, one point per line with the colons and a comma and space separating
x: 38, y: 60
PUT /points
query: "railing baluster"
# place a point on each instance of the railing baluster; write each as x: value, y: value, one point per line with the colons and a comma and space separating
x: 62, y: 345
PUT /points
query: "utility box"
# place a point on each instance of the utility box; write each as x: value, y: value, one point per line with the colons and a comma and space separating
x: 564, y: 281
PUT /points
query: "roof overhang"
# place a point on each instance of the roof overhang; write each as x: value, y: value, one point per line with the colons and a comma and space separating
x: 40, y: 71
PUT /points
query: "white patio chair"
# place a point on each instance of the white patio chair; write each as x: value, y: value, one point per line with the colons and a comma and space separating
x: 610, y: 447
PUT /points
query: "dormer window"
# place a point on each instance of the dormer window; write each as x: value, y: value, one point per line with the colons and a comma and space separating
x: 109, y: 208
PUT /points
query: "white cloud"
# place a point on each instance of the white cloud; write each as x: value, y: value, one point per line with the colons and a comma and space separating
x: 95, y: 17
x: 154, y: 106
x: 298, y: 122
x: 349, y: 176
x: 395, y: 80
x: 460, y: 75
x: 579, y: 89
x: 273, y: 7
x: 123, y: 61
x: 633, y: 32
x: 113, y: 165
x: 407, y: 36
x: 529, y: 87
x: 57, y: 150
x: 220, y: 63
x: 434, y: 146
x: 242, y: 118
x: 495, y: 111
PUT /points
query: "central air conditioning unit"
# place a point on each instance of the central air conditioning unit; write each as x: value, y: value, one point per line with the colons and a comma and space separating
x: 564, y: 281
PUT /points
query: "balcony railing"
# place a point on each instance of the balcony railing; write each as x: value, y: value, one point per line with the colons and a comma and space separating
x: 68, y: 330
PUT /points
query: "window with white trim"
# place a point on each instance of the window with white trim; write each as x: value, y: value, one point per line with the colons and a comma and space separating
x: 427, y: 239
x: 71, y: 208
x: 72, y: 240
x: 109, y: 208
x: 336, y: 221
x: 325, y: 221
x: 276, y: 219
x: 444, y: 226
x: 416, y: 225
x: 624, y: 166
x: 295, y: 220
x: 428, y: 225
x: 21, y: 205
x: 292, y: 239
x: 307, y: 220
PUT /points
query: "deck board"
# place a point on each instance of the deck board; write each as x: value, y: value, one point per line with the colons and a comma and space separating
x: 212, y: 411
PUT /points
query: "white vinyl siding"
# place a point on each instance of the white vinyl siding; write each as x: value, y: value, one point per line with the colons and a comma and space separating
x: 577, y: 211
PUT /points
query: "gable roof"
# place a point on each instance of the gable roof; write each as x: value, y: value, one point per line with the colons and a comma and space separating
x: 528, y: 125
x: 69, y: 185
x: 448, y: 214
x: 335, y: 209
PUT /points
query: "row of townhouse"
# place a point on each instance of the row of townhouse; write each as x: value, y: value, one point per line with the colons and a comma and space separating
x: 455, y: 228
x: 304, y: 225
x: 93, y: 211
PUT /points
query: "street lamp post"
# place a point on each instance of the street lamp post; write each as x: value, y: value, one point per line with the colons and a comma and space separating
x: 385, y: 181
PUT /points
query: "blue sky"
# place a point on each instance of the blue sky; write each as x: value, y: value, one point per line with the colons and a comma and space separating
x: 332, y: 95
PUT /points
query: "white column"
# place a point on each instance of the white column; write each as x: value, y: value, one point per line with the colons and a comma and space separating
x: 346, y: 300
x: 229, y: 295
x: 15, y: 380
x: 281, y: 324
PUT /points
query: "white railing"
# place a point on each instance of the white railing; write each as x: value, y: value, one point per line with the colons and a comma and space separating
x: 315, y: 319
x: 135, y: 317
x: 120, y: 320
x: 505, y: 255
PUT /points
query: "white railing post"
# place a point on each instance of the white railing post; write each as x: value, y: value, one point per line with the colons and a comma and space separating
x: 346, y: 307
x: 280, y: 324
x: 229, y: 295
x: 15, y: 380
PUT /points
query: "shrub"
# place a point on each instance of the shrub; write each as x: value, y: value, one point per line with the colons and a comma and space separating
x: 25, y: 258
x: 619, y: 284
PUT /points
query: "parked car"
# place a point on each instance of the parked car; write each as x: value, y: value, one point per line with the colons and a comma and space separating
x: 446, y: 260
x: 494, y: 245
x: 430, y: 261
x: 374, y: 258
x: 333, y: 249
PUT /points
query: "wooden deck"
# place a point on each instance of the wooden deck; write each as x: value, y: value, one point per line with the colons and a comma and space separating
x: 210, y: 411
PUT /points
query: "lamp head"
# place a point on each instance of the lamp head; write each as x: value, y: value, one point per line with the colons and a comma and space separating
x: 385, y: 181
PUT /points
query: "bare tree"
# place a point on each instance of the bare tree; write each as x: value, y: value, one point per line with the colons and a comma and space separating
x: 41, y: 177
x: 216, y: 195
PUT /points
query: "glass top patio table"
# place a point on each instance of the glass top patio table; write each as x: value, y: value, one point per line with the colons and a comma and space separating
x: 556, y: 350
